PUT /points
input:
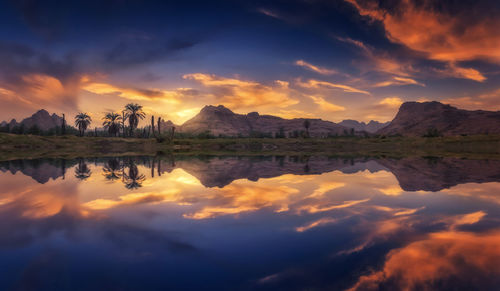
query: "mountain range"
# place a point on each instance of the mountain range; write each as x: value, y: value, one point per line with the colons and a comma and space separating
x: 416, y: 119
x: 412, y: 173
x: 412, y: 119
x: 371, y: 127
x: 41, y: 118
x: 219, y: 120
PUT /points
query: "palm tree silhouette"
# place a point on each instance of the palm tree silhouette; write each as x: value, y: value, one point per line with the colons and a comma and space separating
x: 307, y: 124
x: 112, y: 123
x: 133, y: 179
x: 111, y: 170
x: 82, y: 121
x: 133, y: 112
x: 82, y: 171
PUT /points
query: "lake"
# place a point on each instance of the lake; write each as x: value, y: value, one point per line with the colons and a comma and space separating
x: 246, y: 223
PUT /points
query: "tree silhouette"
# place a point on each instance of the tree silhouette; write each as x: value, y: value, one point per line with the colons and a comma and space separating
x: 63, y: 125
x: 133, y: 112
x: 112, y: 123
x: 133, y: 179
x: 82, y: 121
x: 111, y: 170
x: 307, y: 124
x: 82, y: 171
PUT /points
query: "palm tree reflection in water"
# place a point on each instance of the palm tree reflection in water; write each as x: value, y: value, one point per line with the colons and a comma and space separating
x: 112, y: 170
x: 82, y: 171
x: 133, y: 179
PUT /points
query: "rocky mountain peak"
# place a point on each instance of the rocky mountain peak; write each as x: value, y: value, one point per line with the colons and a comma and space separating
x: 41, y: 113
x: 42, y: 119
x: 371, y: 126
x: 221, y: 121
x: 418, y: 118
x: 220, y: 109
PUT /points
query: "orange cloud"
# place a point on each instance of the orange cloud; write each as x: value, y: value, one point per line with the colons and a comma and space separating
x: 34, y: 91
x: 442, y: 256
x: 439, y: 35
x: 321, y: 207
x: 319, y: 222
x: 398, y: 81
x: 489, y: 100
x: 315, y: 84
x: 380, y: 61
x: 452, y: 70
x: 325, y: 105
x: 317, y: 69
x: 391, y: 101
x: 245, y: 197
x: 134, y: 94
x: 235, y: 93
x: 294, y: 113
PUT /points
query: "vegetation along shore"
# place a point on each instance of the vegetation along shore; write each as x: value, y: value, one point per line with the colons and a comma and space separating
x: 447, y: 131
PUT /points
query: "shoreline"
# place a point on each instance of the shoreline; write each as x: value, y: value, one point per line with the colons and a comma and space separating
x: 30, y: 146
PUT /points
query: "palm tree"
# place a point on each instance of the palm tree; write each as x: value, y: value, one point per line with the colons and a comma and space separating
x: 112, y: 122
x: 82, y: 171
x: 133, y: 112
x: 111, y: 170
x: 82, y: 121
x: 133, y: 179
x: 307, y: 124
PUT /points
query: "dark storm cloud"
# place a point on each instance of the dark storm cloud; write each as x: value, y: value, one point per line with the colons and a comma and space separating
x: 53, y: 19
x: 18, y: 59
x: 140, y: 51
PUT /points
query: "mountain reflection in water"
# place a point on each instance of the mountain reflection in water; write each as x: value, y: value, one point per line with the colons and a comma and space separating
x: 280, y: 222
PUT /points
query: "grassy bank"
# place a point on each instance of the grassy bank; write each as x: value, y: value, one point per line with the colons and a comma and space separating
x: 27, y: 146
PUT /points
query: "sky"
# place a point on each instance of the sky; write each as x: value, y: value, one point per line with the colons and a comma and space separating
x: 335, y: 60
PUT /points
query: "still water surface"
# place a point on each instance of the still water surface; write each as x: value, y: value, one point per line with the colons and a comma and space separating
x: 246, y: 223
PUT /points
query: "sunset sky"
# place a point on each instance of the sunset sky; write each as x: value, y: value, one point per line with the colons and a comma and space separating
x: 335, y: 60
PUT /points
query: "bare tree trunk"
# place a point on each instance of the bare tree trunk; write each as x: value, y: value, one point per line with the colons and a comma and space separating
x: 159, y: 126
x: 123, y: 123
x: 63, y: 125
x: 172, y: 133
x: 153, y: 125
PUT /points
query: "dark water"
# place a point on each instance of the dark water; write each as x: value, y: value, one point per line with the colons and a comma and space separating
x: 246, y: 223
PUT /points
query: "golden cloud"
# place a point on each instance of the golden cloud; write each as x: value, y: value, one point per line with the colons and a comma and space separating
x: 391, y: 101
x: 243, y: 197
x: 452, y: 70
x: 315, y: 84
x: 235, y: 93
x: 380, y: 61
x: 316, y: 223
x: 322, y: 207
x: 489, y: 100
x: 134, y: 94
x: 34, y: 91
x: 134, y: 199
x: 325, y: 105
x: 317, y: 69
x: 398, y: 81
x: 441, y: 36
x: 442, y: 256
x: 435, y: 33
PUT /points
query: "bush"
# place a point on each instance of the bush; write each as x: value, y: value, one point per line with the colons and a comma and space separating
x: 432, y: 132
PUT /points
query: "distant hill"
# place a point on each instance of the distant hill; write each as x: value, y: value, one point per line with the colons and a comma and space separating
x: 166, y: 126
x: 41, y: 118
x: 371, y: 127
x: 417, y: 119
x: 219, y: 120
